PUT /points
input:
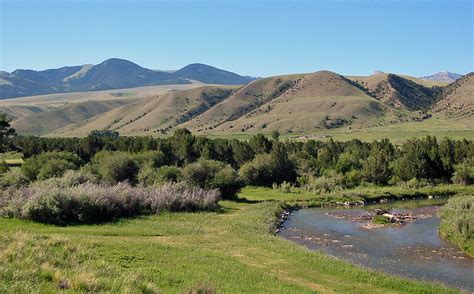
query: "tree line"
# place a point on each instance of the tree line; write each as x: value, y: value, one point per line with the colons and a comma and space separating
x: 259, y: 161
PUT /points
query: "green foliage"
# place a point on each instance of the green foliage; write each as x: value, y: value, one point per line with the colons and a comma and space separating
x: 210, y: 174
x: 6, y: 133
x: 464, y: 173
x: 13, y: 178
x: 267, y: 169
x: 381, y: 220
x: 457, y: 222
x: 50, y: 164
x: 376, y: 168
x: 114, y: 167
x: 104, y: 134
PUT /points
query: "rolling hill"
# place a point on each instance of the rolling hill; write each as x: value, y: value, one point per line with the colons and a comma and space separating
x: 398, y: 91
x: 457, y: 99
x: 113, y: 73
x: 323, y: 103
x: 293, y: 104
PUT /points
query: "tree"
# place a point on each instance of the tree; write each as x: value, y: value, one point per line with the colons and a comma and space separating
x: 376, y: 168
x: 275, y: 135
x: 6, y: 133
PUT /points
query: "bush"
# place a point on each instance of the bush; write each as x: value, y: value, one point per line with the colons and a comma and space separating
x: 155, y: 158
x: 168, y: 174
x: 457, y: 222
x: 464, y: 173
x: 90, y: 203
x: 331, y: 181
x: 266, y: 169
x: 50, y: 164
x: 70, y: 178
x: 211, y: 174
x: 13, y: 178
x: 114, y: 167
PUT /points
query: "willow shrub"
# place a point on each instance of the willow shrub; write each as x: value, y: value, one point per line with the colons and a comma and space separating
x: 92, y: 203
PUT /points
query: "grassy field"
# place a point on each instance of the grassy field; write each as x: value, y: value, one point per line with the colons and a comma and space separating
x: 227, y: 251
x: 367, y: 194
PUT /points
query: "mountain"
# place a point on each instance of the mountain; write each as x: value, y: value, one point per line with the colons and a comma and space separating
x: 310, y: 103
x: 401, y: 92
x: 443, y: 76
x: 211, y: 75
x: 457, y: 99
x: 113, y: 73
x: 292, y: 104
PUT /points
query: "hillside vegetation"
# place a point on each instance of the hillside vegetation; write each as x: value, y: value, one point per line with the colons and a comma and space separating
x: 315, y: 105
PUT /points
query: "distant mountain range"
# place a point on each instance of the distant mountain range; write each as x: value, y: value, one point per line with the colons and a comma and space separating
x: 113, y: 73
x: 443, y: 76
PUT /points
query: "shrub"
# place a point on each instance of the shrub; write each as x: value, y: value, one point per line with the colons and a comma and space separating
x: 50, y: 164
x: 90, y: 203
x: 457, y: 222
x: 13, y: 178
x: 168, y: 174
x: 331, y: 181
x: 464, y: 173
x: 284, y: 187
x: 54, y: 168
x: 258, y: 172
x: 155, y: 158
x: 70, y: 178
x: 114, y: 167
x: 266, y: 169
x: 211, y: 174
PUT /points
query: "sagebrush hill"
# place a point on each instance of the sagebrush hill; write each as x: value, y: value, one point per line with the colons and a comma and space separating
x: 322, y: 103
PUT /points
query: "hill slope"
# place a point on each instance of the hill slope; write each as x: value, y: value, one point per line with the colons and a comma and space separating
x: 294, y: 103
x: 397, y: 91
x: 151, y: 115
x: 457, y: 99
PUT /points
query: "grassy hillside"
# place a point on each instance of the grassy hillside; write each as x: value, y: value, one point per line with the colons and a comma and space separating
x: 46, y: 122
x: 458, y: 99
x: 293, y: 104
x: 228, y: 251
x: 153, y: 115
x: 318, y: 105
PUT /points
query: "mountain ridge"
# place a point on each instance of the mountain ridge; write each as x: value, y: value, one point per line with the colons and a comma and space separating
x: 113, y: 73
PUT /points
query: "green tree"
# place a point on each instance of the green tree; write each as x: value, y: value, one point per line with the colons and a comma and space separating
x: 6, y: 133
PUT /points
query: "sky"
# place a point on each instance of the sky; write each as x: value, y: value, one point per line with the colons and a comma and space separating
x: 258, y: 38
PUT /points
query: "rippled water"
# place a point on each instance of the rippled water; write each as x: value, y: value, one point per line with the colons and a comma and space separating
x: 413, y: 250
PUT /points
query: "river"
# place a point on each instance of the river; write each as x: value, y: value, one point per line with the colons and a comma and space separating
x: 412, y: 250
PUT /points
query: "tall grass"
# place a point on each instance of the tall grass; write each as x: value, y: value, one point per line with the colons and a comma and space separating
x: 457, y: 222
x: 92, y: 203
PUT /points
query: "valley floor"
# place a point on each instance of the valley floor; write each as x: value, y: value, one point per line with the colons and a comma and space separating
x: 229, y: 251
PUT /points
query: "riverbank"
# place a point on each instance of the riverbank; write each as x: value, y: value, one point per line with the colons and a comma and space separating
x: 457, y: 222
x: 352, y: 197
x: 233, y: 250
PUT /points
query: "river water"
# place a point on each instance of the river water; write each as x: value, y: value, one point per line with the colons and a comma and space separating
x: 412, y: 250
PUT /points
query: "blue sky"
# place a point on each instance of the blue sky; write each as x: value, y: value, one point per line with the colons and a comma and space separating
x: 249, y: 37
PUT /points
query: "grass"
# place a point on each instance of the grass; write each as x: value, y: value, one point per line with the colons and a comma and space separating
x: 228, y: 251
x: 367, y: 194
x: 457, y: 222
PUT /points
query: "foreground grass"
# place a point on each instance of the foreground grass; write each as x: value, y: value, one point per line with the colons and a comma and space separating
x: 457, y: 222
x: 227, y: 251
x: 367, y: 194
